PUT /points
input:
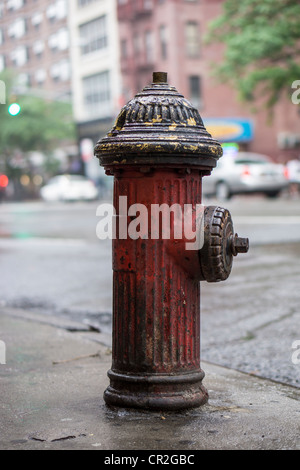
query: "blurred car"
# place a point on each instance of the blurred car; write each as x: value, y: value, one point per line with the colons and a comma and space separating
x: 244, y: 173
x: 69, y: 188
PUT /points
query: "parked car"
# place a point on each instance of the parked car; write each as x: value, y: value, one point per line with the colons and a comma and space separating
x: 69, y: 188
x: 244, y: 173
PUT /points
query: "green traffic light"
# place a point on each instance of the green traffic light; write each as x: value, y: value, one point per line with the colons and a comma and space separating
x: 14, y: 109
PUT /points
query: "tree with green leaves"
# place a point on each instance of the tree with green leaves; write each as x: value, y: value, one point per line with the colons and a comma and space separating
x: 39, y: 124
x: 262, y: 47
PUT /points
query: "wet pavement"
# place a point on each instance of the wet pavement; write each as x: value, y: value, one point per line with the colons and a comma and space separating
x: 54, y: 264
x: 55, y: 304
x: 52, y: 399
x: 251, y: 321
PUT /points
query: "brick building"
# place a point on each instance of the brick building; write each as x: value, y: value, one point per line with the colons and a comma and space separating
x: 34, y: 42
x: 167, y: 35
x: 66, y: 50
x: 103, y: 51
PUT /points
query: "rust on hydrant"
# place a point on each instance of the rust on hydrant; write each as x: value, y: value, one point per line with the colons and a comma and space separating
x: 158, y: 151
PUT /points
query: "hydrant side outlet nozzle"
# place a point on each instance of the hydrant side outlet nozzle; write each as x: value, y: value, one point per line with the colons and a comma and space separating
x: 158, y: 152
x: 239, y: 244
x: 220, y: 245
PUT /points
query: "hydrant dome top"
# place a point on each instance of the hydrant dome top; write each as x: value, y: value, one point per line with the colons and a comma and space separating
x: 159, y: 126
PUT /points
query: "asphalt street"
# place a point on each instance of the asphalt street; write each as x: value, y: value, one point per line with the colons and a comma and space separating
x: 52, y: 263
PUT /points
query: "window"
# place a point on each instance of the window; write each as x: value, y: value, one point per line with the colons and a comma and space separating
x: 52, y: 41
x: 51, y: 12
x: 149, y: 46
x: 23, y: 80
x: 40, y: 75
x: 60, y: 71
x: 2, y: 62
x: 59, y: 40
x: 57, y: 10
x: 96, y: 92
x: 14, y: 4
x: 84, y: 3
x: 61, y: 9
x: 63, y: 39
x: 38, y: 47
x: 163, y: 41
x: 55, y: 72
x: 192, y: 39
x: 93, y: 35
x: 124, y: 50
x: 65, y: 70
x: 18, y: 28
x: 37, y: 19
x: 148, y: 4
x: 137, y: 45
x: 19, y: 56
x: 195, y: 90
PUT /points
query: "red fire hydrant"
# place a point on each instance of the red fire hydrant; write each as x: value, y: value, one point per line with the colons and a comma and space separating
x: 158, y: 152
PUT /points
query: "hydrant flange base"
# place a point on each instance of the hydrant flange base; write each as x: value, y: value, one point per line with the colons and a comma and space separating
x: 156, y: 391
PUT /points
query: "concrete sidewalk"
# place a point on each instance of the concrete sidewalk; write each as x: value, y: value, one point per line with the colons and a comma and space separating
x: 51, y: 399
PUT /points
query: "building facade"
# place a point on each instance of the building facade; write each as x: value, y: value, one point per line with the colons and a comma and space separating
x: 168, y: 35
x: 34, y: 43
x: 95, y: 73
x: 100, y: 53
x: 67, y: 50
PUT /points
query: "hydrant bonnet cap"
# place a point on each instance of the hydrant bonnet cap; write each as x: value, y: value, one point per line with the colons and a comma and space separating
x: 159, y: 126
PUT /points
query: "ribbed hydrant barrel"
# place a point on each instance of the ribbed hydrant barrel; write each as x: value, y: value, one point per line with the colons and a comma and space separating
x: 158, y: 152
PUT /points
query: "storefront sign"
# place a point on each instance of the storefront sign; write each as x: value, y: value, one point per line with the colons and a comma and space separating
x: 229, y: 130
